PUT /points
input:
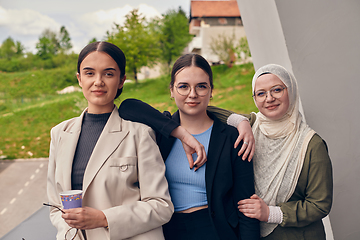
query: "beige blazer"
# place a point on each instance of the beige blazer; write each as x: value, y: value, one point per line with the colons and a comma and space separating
x: 125, y: 178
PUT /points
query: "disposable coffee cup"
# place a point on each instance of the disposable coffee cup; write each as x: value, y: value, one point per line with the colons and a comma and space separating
x: 71, y: 199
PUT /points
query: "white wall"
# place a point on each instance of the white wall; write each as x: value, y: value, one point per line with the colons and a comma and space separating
x: 319, y: 41
x: 205, y: 35
x: 209, y: 33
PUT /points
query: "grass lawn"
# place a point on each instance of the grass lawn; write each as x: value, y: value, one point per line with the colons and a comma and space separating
x: 30, y: 107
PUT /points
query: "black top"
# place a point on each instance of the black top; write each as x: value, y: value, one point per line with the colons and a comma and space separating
x: 228, y: 178
x: 91, y: 128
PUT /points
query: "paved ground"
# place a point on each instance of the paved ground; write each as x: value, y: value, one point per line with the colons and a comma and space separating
x: 23, y: 190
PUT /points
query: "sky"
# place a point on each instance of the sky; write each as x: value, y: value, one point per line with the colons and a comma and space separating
x: 25, y: 20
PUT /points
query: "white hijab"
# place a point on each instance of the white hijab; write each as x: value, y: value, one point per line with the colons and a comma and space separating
x: 280, y: 147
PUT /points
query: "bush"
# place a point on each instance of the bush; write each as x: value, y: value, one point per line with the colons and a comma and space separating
x: 34, y: 62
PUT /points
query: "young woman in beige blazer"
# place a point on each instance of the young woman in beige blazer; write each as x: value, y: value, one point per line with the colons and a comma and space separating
x: 125, y: 193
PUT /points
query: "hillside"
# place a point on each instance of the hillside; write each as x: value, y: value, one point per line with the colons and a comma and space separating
x: 30, y: 106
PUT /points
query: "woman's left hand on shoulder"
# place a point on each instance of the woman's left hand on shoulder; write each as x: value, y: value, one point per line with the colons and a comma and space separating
x: 254, y: 207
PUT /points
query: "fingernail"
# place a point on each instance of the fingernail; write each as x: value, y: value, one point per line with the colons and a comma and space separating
x: 195, y: 165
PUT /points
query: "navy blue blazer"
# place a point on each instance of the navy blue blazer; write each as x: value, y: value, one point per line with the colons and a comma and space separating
x: 228, y: 178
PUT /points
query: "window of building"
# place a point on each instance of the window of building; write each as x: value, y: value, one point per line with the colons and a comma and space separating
x: 222, y: 21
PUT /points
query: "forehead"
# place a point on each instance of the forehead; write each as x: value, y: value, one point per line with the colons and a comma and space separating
x: 98, y: 60
x: 191, y: 74
x: 267, y: 81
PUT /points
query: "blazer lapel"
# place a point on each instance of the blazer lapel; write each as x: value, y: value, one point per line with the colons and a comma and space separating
x: 110, y: 138
x: 216, y: 144
x: 66, y: 151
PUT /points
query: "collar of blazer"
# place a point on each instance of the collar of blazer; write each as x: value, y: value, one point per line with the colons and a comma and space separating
x: 110, y: 138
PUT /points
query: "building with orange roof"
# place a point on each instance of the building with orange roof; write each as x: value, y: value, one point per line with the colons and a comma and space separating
x: 208, y: 20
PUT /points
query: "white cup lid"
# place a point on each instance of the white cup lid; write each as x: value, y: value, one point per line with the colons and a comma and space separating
x: 71, y: 192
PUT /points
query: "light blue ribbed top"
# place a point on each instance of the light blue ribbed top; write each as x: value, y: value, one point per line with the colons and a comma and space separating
x: 187, y: 187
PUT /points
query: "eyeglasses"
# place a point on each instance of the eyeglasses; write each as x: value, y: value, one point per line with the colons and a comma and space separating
x: 184, y: 89
x: 275, y: 92
x: 49, y: 205
x: 71, y: 233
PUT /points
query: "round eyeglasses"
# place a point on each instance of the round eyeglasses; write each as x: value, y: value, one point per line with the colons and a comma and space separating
x: 275, y: 92
x: 184, y: 89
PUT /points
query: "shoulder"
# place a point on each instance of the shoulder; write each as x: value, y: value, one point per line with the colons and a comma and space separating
x: 135, y: 127
x: 230, y: 131
x: 63, y: 126
x: 317, y: 142
x: 317, y: 150
x: 224, y: 127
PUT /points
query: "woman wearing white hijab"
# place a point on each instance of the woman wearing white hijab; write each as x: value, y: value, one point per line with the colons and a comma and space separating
x: 293, y: 173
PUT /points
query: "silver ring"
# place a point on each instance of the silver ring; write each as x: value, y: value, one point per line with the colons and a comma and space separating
x: 246, y: 143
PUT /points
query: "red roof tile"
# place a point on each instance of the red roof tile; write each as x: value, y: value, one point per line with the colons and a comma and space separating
x: 214, y: 9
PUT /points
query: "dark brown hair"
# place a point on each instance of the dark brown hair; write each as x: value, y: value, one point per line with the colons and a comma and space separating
x: 110, y: 49
x: 188, y: 60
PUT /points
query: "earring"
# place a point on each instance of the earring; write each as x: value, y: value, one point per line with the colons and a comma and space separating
x: 171, y: 98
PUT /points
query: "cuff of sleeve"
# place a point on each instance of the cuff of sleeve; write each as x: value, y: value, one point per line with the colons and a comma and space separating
x: 167, y: 129
x: 275, y: 215
x: 234, y: 119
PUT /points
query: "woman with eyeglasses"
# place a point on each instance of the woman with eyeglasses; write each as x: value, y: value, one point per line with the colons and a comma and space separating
x: 205, y: 200
x: 293, y: 172
x: 116, y: 163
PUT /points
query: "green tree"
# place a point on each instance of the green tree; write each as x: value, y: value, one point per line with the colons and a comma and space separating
x: 20, y: 49
x: 48, y: 44
x: 64, y: 40
x: 8, y: 49
x: 92, y: 40
x: 224, y: 47
x: 137, y: 40
x: 174, y: 35
x: 244, y: 48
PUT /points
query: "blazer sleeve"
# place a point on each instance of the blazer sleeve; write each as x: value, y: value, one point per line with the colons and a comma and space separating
x: 154, y: 208
x: 312, y: 199
x: 53, y: 197
x: 138, y: 111
x: 249, y: 228
x: 224, y: 114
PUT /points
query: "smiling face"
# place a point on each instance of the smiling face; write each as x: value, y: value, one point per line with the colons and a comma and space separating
x: 191, y: 104
x: 272, y: 108
x: 99, y: 78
